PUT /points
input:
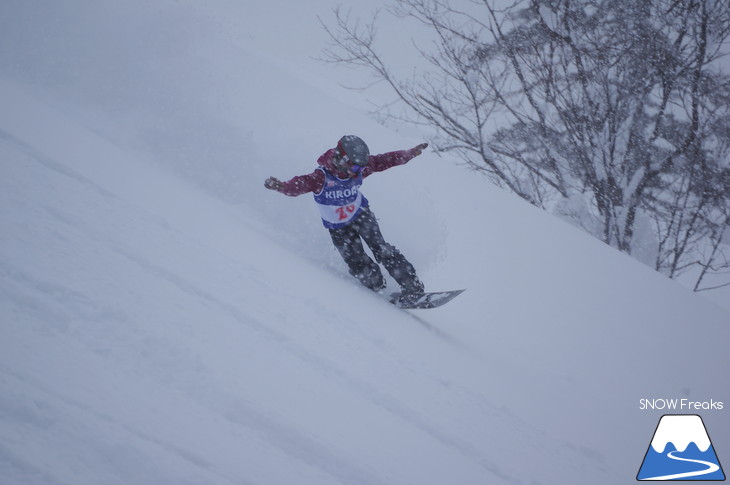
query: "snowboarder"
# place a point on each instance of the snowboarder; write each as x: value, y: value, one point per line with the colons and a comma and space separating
x: 346, y: 213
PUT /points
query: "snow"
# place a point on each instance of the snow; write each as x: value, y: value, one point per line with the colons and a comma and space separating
x: 165, y: 319
x: 681, y: 430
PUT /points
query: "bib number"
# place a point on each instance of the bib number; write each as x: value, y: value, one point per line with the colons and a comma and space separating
x: 343, y: 213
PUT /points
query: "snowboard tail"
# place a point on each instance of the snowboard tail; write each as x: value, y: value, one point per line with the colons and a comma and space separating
x: 427, y: 300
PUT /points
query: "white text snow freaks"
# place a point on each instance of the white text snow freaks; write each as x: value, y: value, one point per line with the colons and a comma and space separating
x: 679, y: 404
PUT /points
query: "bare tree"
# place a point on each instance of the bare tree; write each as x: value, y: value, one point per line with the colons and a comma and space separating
x: 616, y: 104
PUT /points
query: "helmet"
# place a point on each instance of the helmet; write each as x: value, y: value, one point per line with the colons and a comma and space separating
x: 355, y: 149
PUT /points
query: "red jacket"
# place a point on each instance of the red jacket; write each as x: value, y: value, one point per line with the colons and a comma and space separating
x: 314, y: 182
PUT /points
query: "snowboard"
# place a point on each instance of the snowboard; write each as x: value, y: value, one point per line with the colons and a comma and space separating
x: 428, y: 300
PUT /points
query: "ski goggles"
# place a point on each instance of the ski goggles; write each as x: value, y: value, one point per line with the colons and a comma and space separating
x: 343, y: 162
x: 356, y: 169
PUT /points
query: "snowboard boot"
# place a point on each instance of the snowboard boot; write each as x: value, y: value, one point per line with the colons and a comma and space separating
x: 411, y: 291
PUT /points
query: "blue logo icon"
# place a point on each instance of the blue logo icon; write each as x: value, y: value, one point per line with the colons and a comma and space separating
x: 680, y: 450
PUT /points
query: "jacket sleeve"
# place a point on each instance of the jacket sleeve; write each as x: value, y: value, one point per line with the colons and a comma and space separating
x: 384, y: 161
x: 302, y: 184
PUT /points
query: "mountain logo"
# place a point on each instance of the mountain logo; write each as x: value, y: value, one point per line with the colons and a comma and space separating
x: 680, y: 450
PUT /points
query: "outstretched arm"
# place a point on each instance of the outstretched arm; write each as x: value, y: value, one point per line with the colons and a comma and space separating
x: 384, y: 161
x: 299, y: 185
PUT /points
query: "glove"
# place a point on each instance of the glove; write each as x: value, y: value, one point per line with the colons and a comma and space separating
x: 418, y: 149
x: 273, y: 183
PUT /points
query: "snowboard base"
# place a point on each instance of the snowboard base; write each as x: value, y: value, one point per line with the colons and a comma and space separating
x: 427, y: 300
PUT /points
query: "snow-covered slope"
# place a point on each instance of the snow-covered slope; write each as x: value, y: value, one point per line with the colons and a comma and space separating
x: 164, y: 319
